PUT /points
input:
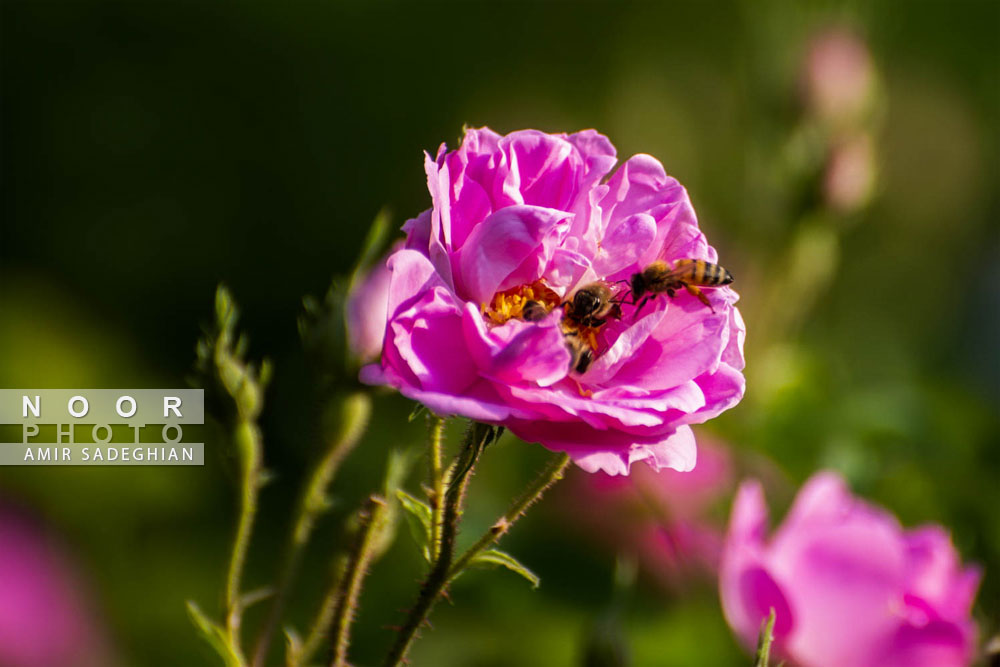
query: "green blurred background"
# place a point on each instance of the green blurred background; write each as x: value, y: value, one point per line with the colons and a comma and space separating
x: 153, y: 150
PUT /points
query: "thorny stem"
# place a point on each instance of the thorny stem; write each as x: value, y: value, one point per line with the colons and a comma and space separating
x: 552, y: 473
x: 340, y: 600
x: 436, y: 496
x: 476, y: 437
x: 300, y: 654
x: 355, y: 413
x: 373, y: 517
x: 248, y: 443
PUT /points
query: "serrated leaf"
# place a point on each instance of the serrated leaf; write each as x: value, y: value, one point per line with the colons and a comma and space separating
x: 493, y: 557
x: 418, y: 518
x: 212, y: 633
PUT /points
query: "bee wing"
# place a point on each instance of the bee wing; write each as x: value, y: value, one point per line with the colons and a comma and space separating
x: 679, y: 268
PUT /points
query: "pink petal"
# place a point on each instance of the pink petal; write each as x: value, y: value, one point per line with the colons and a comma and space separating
x: 429, y: 338
x: 624, y: 243
x: 412, y: 275
x: 544, y: 168
x: 501, y: 244
x: 518, y: 351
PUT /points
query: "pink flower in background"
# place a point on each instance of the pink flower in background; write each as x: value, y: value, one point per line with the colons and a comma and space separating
x: 367, y: 300
x: 45, y: 620
x: 839, y: 75
x: 849, y: 586
x: 849, y: 176
x: 661, y: 519
x: 534, y: 216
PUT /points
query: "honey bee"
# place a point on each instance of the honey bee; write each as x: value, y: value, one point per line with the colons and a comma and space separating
x: 581, y: 353
x: 690, y: 274
x: 533, y: 311
x: 588, y: 309
x: 592, y: 305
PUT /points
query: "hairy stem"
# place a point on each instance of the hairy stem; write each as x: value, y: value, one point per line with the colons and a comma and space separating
x: 337, y: 609
x: 476, y: 437
x: 763, y: 656
x: 301, y: 654
x: 373, y: 517
x: 248, y: 444
x: 436, y: 495
x: 355, y: 413
x: 551, y: 474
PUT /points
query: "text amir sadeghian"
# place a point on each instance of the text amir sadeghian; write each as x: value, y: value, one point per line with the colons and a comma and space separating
x: 153, y: 419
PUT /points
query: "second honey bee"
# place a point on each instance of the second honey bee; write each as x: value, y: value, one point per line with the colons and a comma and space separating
x: 688, y: 274
x: 581, y: 354
x: 592, y: 305
x: 587, y: 310
x: 580, y: 351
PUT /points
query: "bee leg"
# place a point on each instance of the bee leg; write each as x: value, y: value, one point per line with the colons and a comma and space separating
x: 698, y: 294
x: 585, y: 393
x: 642, y: 303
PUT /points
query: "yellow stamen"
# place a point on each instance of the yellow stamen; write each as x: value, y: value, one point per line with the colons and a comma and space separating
x: 509, y: 304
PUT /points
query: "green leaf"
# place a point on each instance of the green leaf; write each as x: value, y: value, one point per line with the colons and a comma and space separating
x: 251, y: 598
x: 398, y: 468
x: 492, y: 557
x: 400, y: 464
x: 418, y: 517
x: 212, y: 633
x: 373, y: 245
x: 418, y: 410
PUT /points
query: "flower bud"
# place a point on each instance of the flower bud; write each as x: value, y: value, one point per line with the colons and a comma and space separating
x: 838, y: 78
x: 849, y: 176
x: 366, y: 306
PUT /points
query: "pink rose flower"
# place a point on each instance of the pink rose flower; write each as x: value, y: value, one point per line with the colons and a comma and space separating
x: 838, y: 75
x: 45, y: 619
x: 848, y: 585
x: 534, y: 216
x: 849, y: 177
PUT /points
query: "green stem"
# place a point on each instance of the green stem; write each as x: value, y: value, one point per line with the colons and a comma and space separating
x: 248, y: 444
x: 476, y: 437
x: 301, y: 655
x: 763, y: 655
x: 551, y: 474
x: 355, y: 413
x: 373, y: 519
x: 437, y: 485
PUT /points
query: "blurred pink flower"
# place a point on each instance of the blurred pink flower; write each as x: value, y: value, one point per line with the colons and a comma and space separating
x: 849, y: 178
x: 367, y: 300
x: 532, y: 215
x: 839, y: 76
x: 661, y: 519
x: 45, y: 620
x: 849, y: 586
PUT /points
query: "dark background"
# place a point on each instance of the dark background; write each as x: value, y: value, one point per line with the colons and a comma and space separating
x: 151, y: 151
